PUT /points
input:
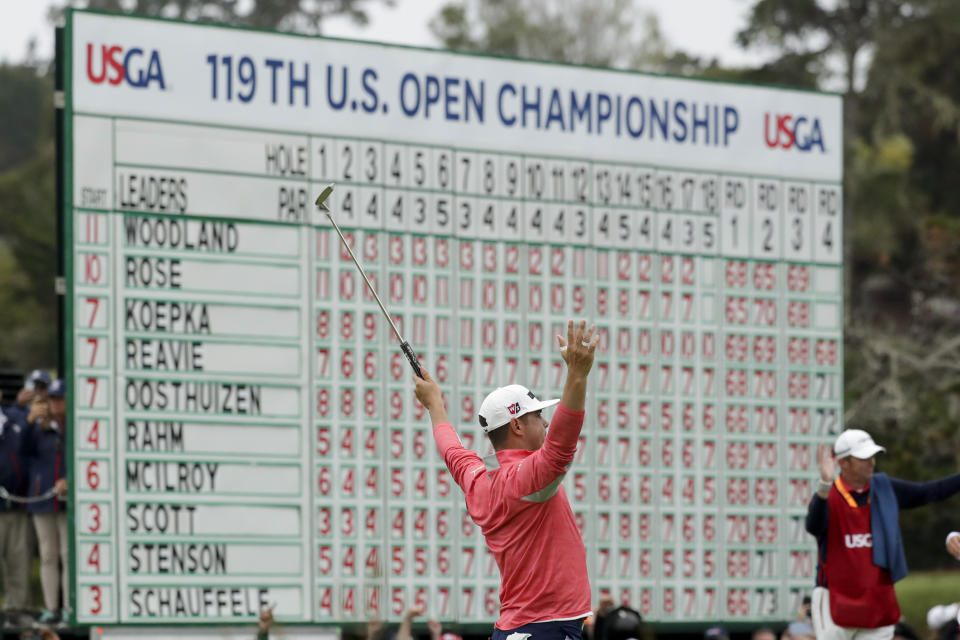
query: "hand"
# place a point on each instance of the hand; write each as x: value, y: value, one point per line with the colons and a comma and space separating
x: 414, y: 611
x: 826, y: 462
x: 436, y: 629
x: 39, y: 410
x: 374, y: 627
x: 606, y: 605
x: 428, y: 391
x: 578, y: 348
x: 953, y: 545
x: 266, y: 619
x: 24, y: 397
x: 60, y: 486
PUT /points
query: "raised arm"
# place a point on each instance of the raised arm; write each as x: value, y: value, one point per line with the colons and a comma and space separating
x: 817, y: 510
x: 539, y: 477
x: 460, y: 461
x: 577, y: 351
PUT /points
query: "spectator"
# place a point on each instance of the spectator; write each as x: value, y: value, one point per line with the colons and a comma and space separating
x: 43, y: 633
x: 949, y: 630
x: 264, y: 623
x: 46, y: 451
x: 35, y: 386
x: 941, y: 614
x: 375, y: 629
x: 14, y: 522
x: 716, y: 633
x: 799, y: 630
x: 953, y: 544
x: 437, y: 633
x: 594, y: 627
x: 404, y: 632
x: 622, y: 623
x: 802, y: 627
x: 763, y: 633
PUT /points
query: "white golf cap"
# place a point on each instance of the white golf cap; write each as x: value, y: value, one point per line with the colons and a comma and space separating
x: 856, y: 443
x: 511, y: 401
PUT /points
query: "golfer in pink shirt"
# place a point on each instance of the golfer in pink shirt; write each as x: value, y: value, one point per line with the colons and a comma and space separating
x: 516, y: 498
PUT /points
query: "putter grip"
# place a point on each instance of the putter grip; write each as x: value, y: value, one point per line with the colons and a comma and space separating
x: 412, y: 357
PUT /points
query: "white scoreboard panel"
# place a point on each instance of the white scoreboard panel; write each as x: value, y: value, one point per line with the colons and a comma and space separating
x: 244, y: 424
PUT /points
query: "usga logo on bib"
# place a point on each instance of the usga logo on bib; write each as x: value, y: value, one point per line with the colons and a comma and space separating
x: 858, y: 540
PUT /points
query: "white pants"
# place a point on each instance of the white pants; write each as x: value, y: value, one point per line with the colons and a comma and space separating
x: 51, y: 530
x: 825, y: 629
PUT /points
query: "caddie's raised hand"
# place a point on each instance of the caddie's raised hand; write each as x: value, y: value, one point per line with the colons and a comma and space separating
x: 826, y: 462
x: 578, y: 347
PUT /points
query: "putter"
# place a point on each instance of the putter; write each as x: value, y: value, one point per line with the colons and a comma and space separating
x: 321, y: 203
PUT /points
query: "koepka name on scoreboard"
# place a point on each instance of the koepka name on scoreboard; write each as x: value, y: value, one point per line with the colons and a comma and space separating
x: 168, y: 317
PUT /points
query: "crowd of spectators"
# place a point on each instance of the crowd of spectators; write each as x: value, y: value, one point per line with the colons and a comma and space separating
x: 33, y: 486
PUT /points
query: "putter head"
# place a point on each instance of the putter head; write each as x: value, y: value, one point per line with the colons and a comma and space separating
x: 321, y: 200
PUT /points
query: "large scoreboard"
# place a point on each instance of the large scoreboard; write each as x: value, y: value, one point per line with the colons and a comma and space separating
x: 244, y: 429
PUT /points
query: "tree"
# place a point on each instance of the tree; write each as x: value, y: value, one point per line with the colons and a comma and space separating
x: 902, y: 123
x: 282, y: 15
x: 28, y: 246
x: 574, y: 31
x: 27, y: 219
x: 26, y: 106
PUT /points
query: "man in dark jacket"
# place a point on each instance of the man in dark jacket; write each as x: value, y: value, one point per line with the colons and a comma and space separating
x: 34, y: 387
x: 14, y: 555
x: 46, y: 448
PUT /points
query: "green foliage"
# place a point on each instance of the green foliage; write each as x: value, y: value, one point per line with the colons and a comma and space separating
x: 27, y: 331
x: 28, y: 263
x: 282, y: 15
x: 577, y: 31
x: 921, y: 590
x: 26, y: 102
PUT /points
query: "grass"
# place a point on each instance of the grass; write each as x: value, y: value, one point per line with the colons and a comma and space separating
x: 920, y: 590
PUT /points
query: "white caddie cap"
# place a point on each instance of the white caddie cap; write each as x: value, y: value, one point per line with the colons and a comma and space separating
x: 856, y: 443
x: 511, y: 401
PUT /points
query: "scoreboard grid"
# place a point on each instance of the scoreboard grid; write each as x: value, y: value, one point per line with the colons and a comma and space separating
x: 719, y: 370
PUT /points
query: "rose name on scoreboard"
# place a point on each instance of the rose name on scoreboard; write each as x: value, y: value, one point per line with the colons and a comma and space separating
x: 245, y: 426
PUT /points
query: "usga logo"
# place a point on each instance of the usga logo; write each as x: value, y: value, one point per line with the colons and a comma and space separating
x: 787, y: 131
x: 135, y: 66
